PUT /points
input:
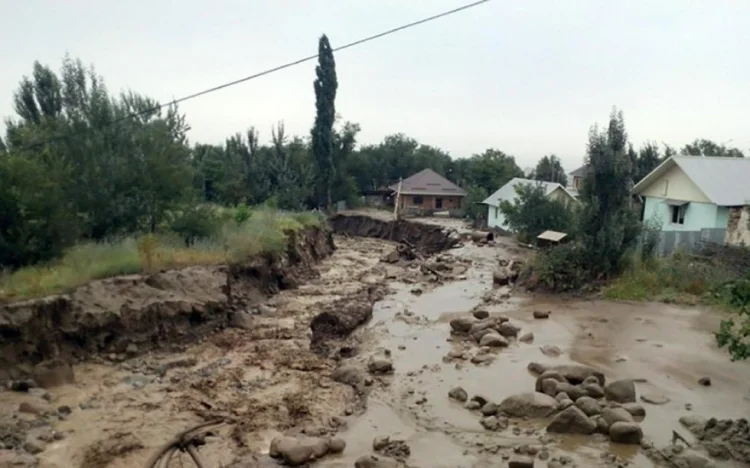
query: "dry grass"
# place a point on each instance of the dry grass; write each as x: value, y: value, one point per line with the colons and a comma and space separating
x: 264, y: 231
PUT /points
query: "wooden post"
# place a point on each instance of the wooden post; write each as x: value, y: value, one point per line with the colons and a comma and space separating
x: 398, y: 196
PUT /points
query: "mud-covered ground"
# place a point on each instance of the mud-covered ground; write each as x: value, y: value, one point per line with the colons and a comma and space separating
x: 265, y: 381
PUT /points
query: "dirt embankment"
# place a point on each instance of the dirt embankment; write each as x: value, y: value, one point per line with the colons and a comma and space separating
x: 426, y: 238
x: 127, y: 315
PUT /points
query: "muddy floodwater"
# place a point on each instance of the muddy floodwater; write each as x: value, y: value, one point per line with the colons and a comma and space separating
x: 270, y: 382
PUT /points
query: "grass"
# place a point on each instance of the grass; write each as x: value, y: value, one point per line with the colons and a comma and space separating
x: 676, y: 279
x: 263, y: 231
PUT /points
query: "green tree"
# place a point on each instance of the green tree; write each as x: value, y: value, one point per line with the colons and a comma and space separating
x: 532, y: 212
x: 474, y: 210
x: 550, y: 169
x: 609, y: 226
x: 704, y: 147
x: 647, y: 160
x: 325, y: 87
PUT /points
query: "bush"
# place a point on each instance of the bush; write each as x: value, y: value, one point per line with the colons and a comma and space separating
x: 734, y: 333
x: 195, y: 222
x: 533, y: 212
x: 561, y: 268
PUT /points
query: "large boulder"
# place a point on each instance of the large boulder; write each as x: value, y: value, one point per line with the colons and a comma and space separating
x: 349, y: 374
x: 626, y: 433
x: 613, y: 415
x: 530, y: 405
x: 508, y: 329
x: 588, y: 405
x: 380, y: 365
x: 620, y: 391
x: 574, y: 391
x: 550, y: 374
x: 458, y: 394
x: 462, y: 324
x: 494, y: 340
x: 573, y: 373
x: 572, y: 421
x: 635, y: 409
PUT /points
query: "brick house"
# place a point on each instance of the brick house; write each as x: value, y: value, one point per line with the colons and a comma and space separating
x: 429, y: 191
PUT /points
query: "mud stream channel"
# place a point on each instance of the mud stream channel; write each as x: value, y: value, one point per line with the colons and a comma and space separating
x: 271, y: 383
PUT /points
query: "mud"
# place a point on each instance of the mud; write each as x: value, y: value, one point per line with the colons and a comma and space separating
x: 129, y: 315
x: 389, y: 378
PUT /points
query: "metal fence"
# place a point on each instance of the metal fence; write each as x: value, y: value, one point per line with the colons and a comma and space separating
x: 690, y: 241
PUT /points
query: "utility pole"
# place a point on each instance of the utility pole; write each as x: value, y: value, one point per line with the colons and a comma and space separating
x: 398, y: 196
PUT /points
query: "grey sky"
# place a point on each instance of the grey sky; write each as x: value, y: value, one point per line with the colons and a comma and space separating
x: 527, y: 77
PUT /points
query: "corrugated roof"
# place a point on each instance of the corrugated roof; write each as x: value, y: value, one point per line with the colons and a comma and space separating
x: 428, y: 182
x: 508, y: 191
x: 580, y: 172
x: 724, y: 180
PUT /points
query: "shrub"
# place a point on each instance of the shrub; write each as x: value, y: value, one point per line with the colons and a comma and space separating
x: 196, y: 222
x: 533, y: 212
x: 561, y: 268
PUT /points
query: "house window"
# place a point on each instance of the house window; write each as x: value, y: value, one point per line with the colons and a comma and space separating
x: 495, y: 212
x: 678, y: 214
x: 417, y: 200
x: 438, y: 203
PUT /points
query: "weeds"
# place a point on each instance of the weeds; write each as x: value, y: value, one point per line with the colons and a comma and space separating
x: 237, y: 238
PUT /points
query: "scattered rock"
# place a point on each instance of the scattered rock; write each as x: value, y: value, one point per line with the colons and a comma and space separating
x: 458, y: 394
x: 507, y: 329
x: 564, y: 404
x: 601, y: 425
x: 550, y: 350
x: 371, y: 461
x: 521, y: 462
x: 562, y: 396
x: 594, y: 390
x: 380, y: 442
x: 33, y: 445
x: 530, y: 404
x: 480, y: 314
x: 541, y: 314
x: 462, y: 324
x: 64, y: 410
x: 574, y: 391
x: 634, y: 409
x: 626, y: 433
x: 654, y: 399
x: 573, y: 373
x: 588, y: 405
x: 694, y: 423
x: 494, y: 423
x: 348, y: 374
x: 571, y: 421
x: 527, y: 337
x: 620, y: 391
x: 494, y: 340
x: 336, y: 445
x: 489, y: 409
x: 53, y: 373
x: 613, y: 415
x: 472, y: 405
x: 38, y: 409
x: 550, y: 374
x: 692, y: 459
x: 705, y: 381
x: 380, y: 365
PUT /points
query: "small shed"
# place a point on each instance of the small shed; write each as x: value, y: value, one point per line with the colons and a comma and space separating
x: 550, y: 238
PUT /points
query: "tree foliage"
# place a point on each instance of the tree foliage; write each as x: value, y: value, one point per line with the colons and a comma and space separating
x: 550, y: 169
x: 704, y: 147
x: 532, y: 212
x: 325, y: 87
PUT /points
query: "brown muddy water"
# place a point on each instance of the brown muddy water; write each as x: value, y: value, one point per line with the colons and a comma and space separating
x: 122, y: 413
x: 666, y: 348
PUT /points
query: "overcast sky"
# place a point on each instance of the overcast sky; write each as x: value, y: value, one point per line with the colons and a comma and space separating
x: 527, y: 77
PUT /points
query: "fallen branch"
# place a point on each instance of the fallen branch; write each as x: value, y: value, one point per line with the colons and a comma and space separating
x: 186, y: 440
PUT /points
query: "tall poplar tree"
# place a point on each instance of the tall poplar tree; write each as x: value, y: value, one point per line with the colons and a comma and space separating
x: 322, y: 132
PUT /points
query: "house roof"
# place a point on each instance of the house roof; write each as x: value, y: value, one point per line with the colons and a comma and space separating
x: 508, y: 191
x: 723, y: 180
x: 580, y: 172
x: 429, y: 182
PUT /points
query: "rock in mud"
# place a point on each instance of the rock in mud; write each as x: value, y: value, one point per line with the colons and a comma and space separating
x: 626, y: 433
x: 566, y: 403
x: 33, y: 445
x: 527, y: 337
x: 53, y: 373
x: 9, y: 458
x: 594, y: 390
x: 340, y: 319
x: 380, y: 442
x: 37, y: 408
x: 507, y: 329
x: 462, y: 324
x: 371, y: 461
x: 620, y: 391
x: 550, y: 350
x: 494, y: 340
x: 494, y: 423
x: 480, y: 314
x: 349, y: 374
x: 571, y: 421
x: 241, y: 319
x: 380, y: 365
x: 489, y: 409
x: 550, y: 374
x: 654, y: 399
x: 705, y: 381
x: 634, y: 409
x: 694, y: 424
x: 336, y: 445
x: 472, y: 405
x: 541, y: 314
x: 574, y: 391
x: 562, y: 396
x: 691, y: 459
x: 601, y: 425
x: 613, y: 415
x: 530, y: 404
x: 521, y: 462
x: 588, y: 405
x: 458, y: 394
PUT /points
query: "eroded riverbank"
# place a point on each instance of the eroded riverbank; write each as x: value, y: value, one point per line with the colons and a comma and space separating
x: 264, y: 379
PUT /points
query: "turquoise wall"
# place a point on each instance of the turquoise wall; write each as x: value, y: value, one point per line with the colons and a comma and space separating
x: 495, y: 218
x: 698, y: 215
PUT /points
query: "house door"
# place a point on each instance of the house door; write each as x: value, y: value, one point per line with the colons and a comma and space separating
x: 438, y: 203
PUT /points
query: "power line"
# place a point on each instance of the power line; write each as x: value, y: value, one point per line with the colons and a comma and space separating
x: 263, y: 73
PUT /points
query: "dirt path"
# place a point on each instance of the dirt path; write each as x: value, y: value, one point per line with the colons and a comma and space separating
x: 265, y: 379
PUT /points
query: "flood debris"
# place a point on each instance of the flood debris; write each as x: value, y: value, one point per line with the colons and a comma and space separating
x: 297, y: 451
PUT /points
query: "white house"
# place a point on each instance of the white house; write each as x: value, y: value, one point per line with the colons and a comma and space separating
x: 507, y: 192
x: 691, y: 193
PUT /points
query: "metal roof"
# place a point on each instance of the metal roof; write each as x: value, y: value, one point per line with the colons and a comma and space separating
x: 723, y: 180
x: 428, y: 182
x: 581, y: 171
x: 508, y: 191
x: 553, y: 236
